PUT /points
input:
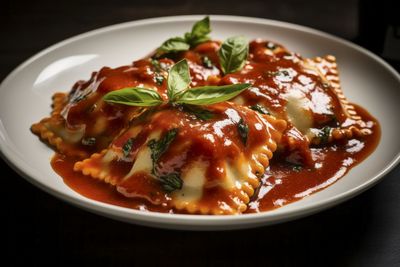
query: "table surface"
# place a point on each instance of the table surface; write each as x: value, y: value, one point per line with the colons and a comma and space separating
x: 42, y: 229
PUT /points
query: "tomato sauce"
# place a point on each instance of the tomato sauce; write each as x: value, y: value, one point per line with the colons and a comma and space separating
x: 283, y: 183
x: 273, y: 75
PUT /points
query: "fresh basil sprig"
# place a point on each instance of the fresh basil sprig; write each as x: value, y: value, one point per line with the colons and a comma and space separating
x: 199, y: 34
x: 233, y: 54
x: 177, y: 90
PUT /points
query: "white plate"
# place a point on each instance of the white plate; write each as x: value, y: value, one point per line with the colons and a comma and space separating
x: 25, y: 97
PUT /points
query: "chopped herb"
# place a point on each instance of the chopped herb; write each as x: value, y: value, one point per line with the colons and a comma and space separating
x: 200, y: 113
x: 159, y: 147
x: 171, y: 182
x: 243, y: 130
x: 297, y: 168
x: 284, y: 72
x: 127, y: 147
x: 159, y: 79
x: 158, y: 69
x: 271, y: 45
x: 88, y: 141
x: 324, y: 134
x: 260, y: 109
x: 156, y: 65
x: 207, y: 62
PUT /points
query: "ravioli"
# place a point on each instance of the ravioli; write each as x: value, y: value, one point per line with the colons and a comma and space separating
x: 82, y: 123
x: 304, y: 92
x: 170, y: 157
x: 219, y: 169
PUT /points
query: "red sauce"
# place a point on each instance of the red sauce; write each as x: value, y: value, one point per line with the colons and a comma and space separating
x: 273, y: 75
x: 281, y: 184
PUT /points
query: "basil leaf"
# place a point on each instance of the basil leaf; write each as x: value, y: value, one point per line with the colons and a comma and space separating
x: 134, y: 96
x: 208, y: 95
x: 178, y: 79
x: 200, y: 113
x: 174, y: 44
x: 297, y: 168
x: 207, y: 62
x: 199, y: 33
x: 233, y: 54
x: 260, y: 109
x: 243, y: 130
x: 127, y: 147
x: 88, y: 141
x: 159, y: 147
x: 171, y: 182
x: 324, y: 134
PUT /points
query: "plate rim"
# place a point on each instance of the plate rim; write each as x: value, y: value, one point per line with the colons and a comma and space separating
x: 268, y: 217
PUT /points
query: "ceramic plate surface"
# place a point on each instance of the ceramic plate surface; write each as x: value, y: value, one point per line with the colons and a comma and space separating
x: 25, y: 97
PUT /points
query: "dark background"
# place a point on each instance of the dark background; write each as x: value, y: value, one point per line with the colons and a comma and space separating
x: 42, y: 230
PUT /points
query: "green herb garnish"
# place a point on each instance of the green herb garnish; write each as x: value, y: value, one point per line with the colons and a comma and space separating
x: 207, y: 95
x: 297, y: 168
x: 199, y: 34
x: 159, y: 79
x: 158, y: 69
x: 88, y: 141
x: 127, y: 147
x: 134, y: 96
x: 171, y: 182
x: 271, y: 45
x: 243, y: 130
x: 178, y: 79
x: 233, y: 54
x: 260, y: 109
x: 207, y: 62
x: 159, y: 147
x: 324, y: 134
x: 178, y: 91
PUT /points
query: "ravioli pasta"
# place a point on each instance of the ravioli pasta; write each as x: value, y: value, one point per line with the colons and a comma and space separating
x: 216, y: 183
x: 207, y: 159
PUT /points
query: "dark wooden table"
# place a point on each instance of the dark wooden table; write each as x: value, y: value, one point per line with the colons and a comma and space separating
x: 41, y: 229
